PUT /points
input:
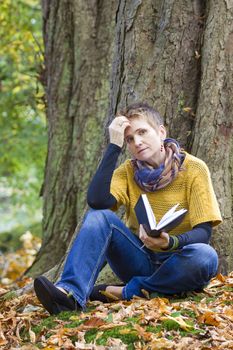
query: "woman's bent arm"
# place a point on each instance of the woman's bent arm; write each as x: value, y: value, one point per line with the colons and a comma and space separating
x: 98, y: 195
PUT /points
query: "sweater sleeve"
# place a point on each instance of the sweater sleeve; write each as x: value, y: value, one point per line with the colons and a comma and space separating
x: 98, y: 195
x: 203, y: 205
x: 200, y: 233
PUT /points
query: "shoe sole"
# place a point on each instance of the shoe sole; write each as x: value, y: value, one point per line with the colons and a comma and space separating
x: 45, y: 297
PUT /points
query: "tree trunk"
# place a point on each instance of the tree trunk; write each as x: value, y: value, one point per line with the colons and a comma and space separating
x: 212, y: 136
x: 101, y: 56
x: 78, y: 53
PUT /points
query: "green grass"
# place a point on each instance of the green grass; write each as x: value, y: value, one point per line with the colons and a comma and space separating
x: 47, y: 323
x: 117, y: 332
x: 154, y: 329
x: 128, y: 334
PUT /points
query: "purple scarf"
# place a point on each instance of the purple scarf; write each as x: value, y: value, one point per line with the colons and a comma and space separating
x: 151, y: 179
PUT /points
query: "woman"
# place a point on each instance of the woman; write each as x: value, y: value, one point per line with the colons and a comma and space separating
x: 173, y: 263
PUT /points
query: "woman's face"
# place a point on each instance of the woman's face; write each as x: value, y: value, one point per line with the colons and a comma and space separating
x: 144, y: 142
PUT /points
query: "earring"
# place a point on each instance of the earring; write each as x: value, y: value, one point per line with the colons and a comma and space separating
x: 162, y: 146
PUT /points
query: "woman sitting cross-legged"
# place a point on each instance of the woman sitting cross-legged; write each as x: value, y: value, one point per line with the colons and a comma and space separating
x: 175, y: 262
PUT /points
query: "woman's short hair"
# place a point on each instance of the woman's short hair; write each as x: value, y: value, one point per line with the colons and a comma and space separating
x: 144, y: 111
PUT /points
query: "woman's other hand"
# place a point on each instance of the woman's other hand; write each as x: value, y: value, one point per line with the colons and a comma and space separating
x: 153, y: 243
x: 117, y: 130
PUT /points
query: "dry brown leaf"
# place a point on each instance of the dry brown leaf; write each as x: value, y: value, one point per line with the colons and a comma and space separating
x: 216, y: 316
x: 82, y: 346
x: 188, y: 343
x: 26, y: 347
x: 160, y: 344
x: 32, y: 336
x: 217, y: 281
x: 3, y: 340
x: 229, y: 282
x: 94, y: 322
x: 3, y: 291
x: 112, y: 325
x: 210, y: 318
x: 116, y: 344
x: 60, y: 337
x: 145, y: 293
x: 109, y: 295
x: 187, y: 109
x: 147, y: 336
x: 161, y: 305
x: 228, y: 311
x: 221, y: 278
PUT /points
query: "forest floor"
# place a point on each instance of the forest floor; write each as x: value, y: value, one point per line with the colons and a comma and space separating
x: 196, y: 321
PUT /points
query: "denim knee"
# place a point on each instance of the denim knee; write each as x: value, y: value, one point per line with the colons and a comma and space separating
x: 203, y: 257
x: 98, y: 217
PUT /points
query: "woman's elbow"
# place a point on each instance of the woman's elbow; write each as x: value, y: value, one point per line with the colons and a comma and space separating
x: 100, y: 203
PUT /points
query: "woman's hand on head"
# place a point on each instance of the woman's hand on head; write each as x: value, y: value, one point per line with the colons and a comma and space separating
x: 117, y: 130
x: 152, y: 243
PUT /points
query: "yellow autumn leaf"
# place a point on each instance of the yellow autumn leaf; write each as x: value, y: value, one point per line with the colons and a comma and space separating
x: 109, y: 295
x: 127, y: 331
x: 221, y: 278
x: 228, y: 311
x: 142, y: 333
x: 179, y: 320
x: 210, y: 318
x: 187, y: 109
x: 160, y: 304
x: 160, y: 344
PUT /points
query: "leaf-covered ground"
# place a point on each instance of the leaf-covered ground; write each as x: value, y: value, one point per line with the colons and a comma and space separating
x: 197, y: 321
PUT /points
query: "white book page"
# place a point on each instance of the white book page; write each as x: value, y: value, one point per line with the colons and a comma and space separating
x: 149, y: 210
x: 169, y: 219
x: 169, y: 212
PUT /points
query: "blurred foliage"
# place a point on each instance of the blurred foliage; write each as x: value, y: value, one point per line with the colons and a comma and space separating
x: 23, y: 139
x: 11, y: 241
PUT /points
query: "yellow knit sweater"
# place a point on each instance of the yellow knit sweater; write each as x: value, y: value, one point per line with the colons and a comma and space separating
x: 192, y: 188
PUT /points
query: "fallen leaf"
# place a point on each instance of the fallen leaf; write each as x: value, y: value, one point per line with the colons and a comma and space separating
x: 3, y: 291
x: 145, y: 293
x: 187, y: 109
x: 228, y: 311
x: 32, y: 335
x: 116, y: 344
x: 147, y: 336
x: 220, y: 277
x: 209, y: 317
x: 3, y: 340
x: 179, y: 320
x: 160, y: 344
x: 109, y: 295
x: 94, y: 322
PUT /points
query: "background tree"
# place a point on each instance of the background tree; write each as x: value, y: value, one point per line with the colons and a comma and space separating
x: 100, y: 56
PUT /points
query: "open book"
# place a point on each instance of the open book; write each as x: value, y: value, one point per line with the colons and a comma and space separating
x: 146, y: 217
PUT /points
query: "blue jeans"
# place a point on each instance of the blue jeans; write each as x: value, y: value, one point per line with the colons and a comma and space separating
x: 103, y: 236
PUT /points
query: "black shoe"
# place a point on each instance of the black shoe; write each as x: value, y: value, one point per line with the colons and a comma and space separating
x: 53, y: 299
x: 97, y: 295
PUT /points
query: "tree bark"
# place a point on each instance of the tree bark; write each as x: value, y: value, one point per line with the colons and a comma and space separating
x: 78, y: 50
x: 212, y: 136
x: 101, y: 56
